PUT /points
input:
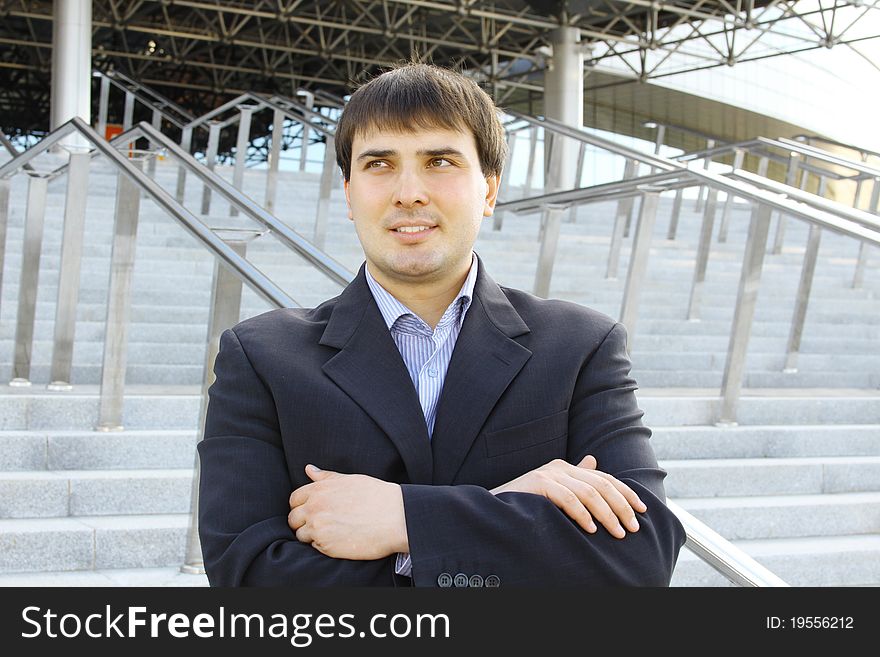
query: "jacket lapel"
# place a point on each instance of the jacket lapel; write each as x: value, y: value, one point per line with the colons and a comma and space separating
x: 370, y: 370
x: 484, y: 362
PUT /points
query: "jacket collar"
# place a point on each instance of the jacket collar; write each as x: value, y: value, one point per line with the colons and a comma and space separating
x: 370, y: 370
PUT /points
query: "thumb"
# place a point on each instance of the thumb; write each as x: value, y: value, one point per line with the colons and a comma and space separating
x: 317, y: 474
x: 588, y: 462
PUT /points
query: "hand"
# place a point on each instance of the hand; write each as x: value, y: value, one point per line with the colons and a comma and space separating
x: 349, y: 516
x: 582, y: 492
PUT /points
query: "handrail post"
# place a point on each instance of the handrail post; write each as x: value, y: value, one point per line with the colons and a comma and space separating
x: 4, y: 222
x: 225, y: 311
x: 552, y: 218
x: 738, y: 157
x: 862, y: 262
x: 103, y: 102
x: 703, y: 248
x: 69, y: 270
x: 803, y: 295
x: 791, y: 181
x: 30, y: 272
x: 210, y: 161
x: 128, y: 111
x: 530, y: 168
x: 185, y: 144
x: 274, y: 157
x: 578, y: 173
x: 624, y: 208
x: 241, y: 145
x: 497, y: 217
x: 327, y: 174
x: 744, y: 313
x: 673, y: 216
x: 710, y: 144
x: 802, y: 299
x: 128, y: 199
x: 304, y: 135
x: 156, y: 122
x: 627, y: 204
x: 638, y: 263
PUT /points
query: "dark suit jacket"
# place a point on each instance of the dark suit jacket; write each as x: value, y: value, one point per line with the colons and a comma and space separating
x: 530, y: 380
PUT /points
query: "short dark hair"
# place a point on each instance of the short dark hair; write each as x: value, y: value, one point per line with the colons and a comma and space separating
x: 417, y: 95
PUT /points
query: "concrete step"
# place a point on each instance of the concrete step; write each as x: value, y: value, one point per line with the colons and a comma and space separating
x: 681, y: 407
x: 788, y: 516
x: 676, y: 443
x: 63, y: 493
x: 176, y: 407
x: 846, y: 560
x: 92, y: 542
x: 110, y: 577
x: 771, y: 476
x: 148, y: 408
x: 65, y: 450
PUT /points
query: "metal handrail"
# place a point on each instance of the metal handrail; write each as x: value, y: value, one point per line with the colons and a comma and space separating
x: 11, y: 149
x: 725, y: 557
x: 146, y: 96
x: 289, y: 237
x: 253, y: 277
x: 715, y: 181
x: 289, y: 108
x: 788, y: 145
x: 115, y: 76
x: 854, y: 215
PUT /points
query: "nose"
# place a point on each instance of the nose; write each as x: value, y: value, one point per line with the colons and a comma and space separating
x: 410, y: 190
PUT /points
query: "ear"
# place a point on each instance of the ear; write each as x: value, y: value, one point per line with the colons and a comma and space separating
x: 493, y: 182
x: 345, y: 185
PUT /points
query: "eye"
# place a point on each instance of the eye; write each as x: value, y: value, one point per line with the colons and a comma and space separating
x: 439, y: 162
x: 376, y: 164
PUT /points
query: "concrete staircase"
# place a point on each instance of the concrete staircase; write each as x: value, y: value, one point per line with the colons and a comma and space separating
x: 796, y: 483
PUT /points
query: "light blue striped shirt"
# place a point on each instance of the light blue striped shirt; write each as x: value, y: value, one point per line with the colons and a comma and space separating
x: 426, y: 352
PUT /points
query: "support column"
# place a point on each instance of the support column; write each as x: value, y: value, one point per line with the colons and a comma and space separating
x: 564, y: 101
x: 71, y: 64
x: 225, y: 310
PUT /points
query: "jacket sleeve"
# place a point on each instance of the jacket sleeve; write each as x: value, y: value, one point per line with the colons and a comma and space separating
x: 244, y: 489
x: 524, y: 539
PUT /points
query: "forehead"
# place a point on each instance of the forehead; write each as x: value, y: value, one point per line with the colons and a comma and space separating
x: 414, y: 140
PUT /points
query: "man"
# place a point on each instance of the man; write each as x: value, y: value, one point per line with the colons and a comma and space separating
x: 427, y: 426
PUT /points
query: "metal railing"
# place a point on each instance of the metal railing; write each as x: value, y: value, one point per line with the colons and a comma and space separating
x: 736, y: 565
x: 232, y: 269
x: 852, y: 223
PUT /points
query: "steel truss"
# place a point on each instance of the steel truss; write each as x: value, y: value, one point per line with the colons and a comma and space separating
x: 202, y: 52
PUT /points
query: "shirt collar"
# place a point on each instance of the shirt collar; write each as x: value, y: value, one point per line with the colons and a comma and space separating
x: 392, y: 309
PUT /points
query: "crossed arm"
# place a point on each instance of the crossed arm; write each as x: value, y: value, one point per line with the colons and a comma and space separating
x: 353, y: 516
x: 559, y: 524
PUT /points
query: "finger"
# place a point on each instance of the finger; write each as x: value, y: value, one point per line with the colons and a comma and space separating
x: 296, y: 518
x: 300, y: 496
x: 589, y: 462
x: 565, y: 499
x: 315, y: 473
x: 606, y: 504
x: 631, y: 496
x: 303, y: 535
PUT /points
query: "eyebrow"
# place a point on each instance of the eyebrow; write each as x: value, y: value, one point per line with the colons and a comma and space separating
x: 432, y: 152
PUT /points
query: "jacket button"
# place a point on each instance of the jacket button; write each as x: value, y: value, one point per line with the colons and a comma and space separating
x: 444, y: 580
x: 493, y: 581
x: 476, y: 581
x: 461, y: 580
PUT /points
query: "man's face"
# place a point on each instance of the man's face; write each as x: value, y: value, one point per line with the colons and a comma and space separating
x: 417, y: 200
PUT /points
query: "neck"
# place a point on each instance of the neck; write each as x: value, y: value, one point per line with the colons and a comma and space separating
x: 427, y: 299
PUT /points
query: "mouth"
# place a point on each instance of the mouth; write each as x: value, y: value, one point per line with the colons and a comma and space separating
x: 411, y: 229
